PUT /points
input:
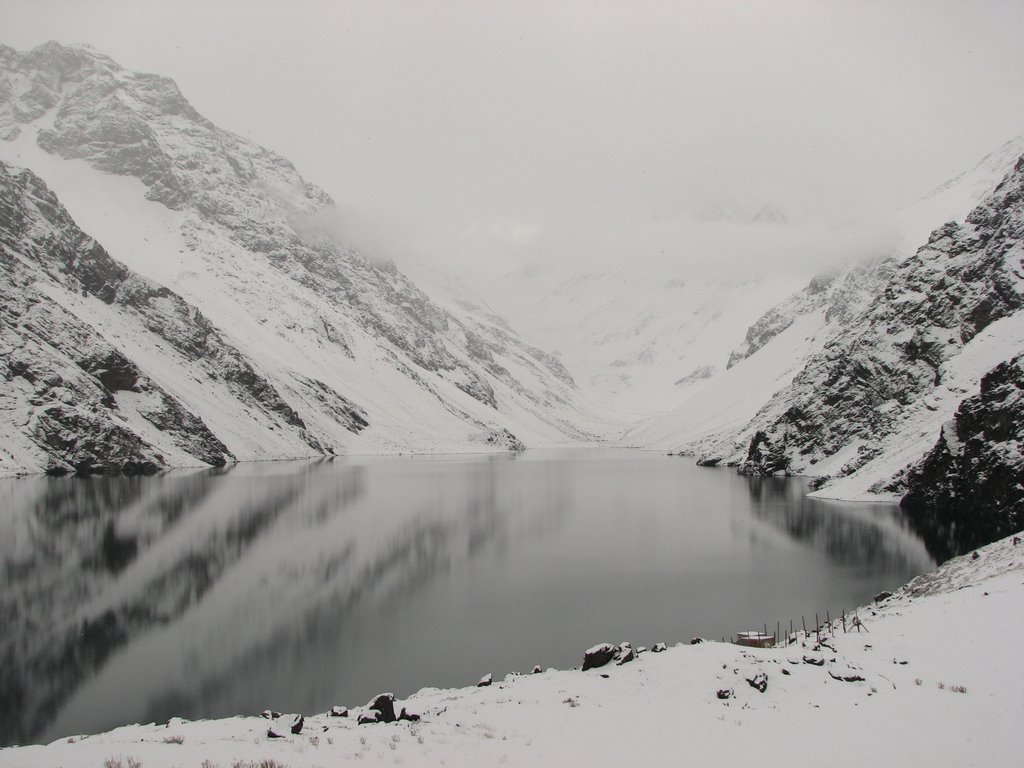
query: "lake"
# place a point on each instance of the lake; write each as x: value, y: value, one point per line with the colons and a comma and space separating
x: 296, y: 586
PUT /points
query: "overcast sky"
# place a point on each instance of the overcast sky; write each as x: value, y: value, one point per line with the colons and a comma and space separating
x: 469, y: 130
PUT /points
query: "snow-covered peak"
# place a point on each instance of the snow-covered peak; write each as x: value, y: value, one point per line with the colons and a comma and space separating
x: 770, y: 214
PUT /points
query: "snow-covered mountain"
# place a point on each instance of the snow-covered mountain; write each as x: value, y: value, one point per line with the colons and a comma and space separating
x: 639, y: 334
x: 860, y: 399
x: 789, y: 333
x: 256, y: 327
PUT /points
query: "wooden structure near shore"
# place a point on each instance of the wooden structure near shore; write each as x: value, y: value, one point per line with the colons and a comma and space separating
x: 755, y: 639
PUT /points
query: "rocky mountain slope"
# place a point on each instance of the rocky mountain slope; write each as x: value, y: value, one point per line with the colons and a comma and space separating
x: 941, y: 319
x: 969, y: 490
x: 798, y: 327
x: 288, y: 344
x: 793, y: 331
x: 838, y: 295
x: 75, y: 402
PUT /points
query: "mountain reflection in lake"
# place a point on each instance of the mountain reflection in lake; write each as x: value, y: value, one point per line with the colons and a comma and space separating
x: 299, y: 586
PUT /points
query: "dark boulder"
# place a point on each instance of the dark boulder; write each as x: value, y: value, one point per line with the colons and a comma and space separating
x: 599, y: 655
x: 625, y: 655
x: 384, y: 705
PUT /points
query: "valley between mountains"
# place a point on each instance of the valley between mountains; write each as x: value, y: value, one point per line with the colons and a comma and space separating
x: 175, y: 295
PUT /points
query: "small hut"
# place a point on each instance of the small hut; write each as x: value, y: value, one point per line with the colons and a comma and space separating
x: 755, y: 639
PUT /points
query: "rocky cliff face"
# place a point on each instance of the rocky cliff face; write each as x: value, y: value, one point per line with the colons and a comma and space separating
x: 840, y: 294
x: 236, y: 266
x: 63, y: 380
x: 938, y: 320
x: 969, y: 490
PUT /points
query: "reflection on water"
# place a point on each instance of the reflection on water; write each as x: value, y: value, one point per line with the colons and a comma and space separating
x: 298, y: 586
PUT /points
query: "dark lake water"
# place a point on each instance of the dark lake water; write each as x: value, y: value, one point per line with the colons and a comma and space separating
x: 299, y: 586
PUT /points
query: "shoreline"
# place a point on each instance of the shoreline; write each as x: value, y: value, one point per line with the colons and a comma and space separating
x: 939, y: 633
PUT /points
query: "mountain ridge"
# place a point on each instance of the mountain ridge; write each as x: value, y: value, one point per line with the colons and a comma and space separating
x: 238, y: 234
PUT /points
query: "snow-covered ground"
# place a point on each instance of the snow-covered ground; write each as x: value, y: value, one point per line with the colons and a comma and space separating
x: 940, y: 687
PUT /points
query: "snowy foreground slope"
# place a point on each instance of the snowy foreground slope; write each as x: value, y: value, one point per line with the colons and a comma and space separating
x: 236, y: 236
x: 856, y: 374
x: 930, y: 680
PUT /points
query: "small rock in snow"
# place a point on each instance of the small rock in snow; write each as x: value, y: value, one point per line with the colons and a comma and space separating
x: 536, y: 669
x: 625, y: 654
x: 850, y: 678
x: 485, y: 680
x: 883, y: 595
x: 339, y: 711
x: 758, y: 681
x: 281, y: 726
x: 659, y: 647
x: 369, y: 717
x: 725, y: 693
x: 297, y: 724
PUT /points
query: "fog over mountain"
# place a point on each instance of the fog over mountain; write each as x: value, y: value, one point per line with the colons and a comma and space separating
x: 488, y: 136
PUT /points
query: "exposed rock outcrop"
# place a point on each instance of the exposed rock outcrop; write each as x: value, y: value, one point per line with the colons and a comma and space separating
x: 72, y: 402
x: 896, y: 361
x: 969, y: 490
